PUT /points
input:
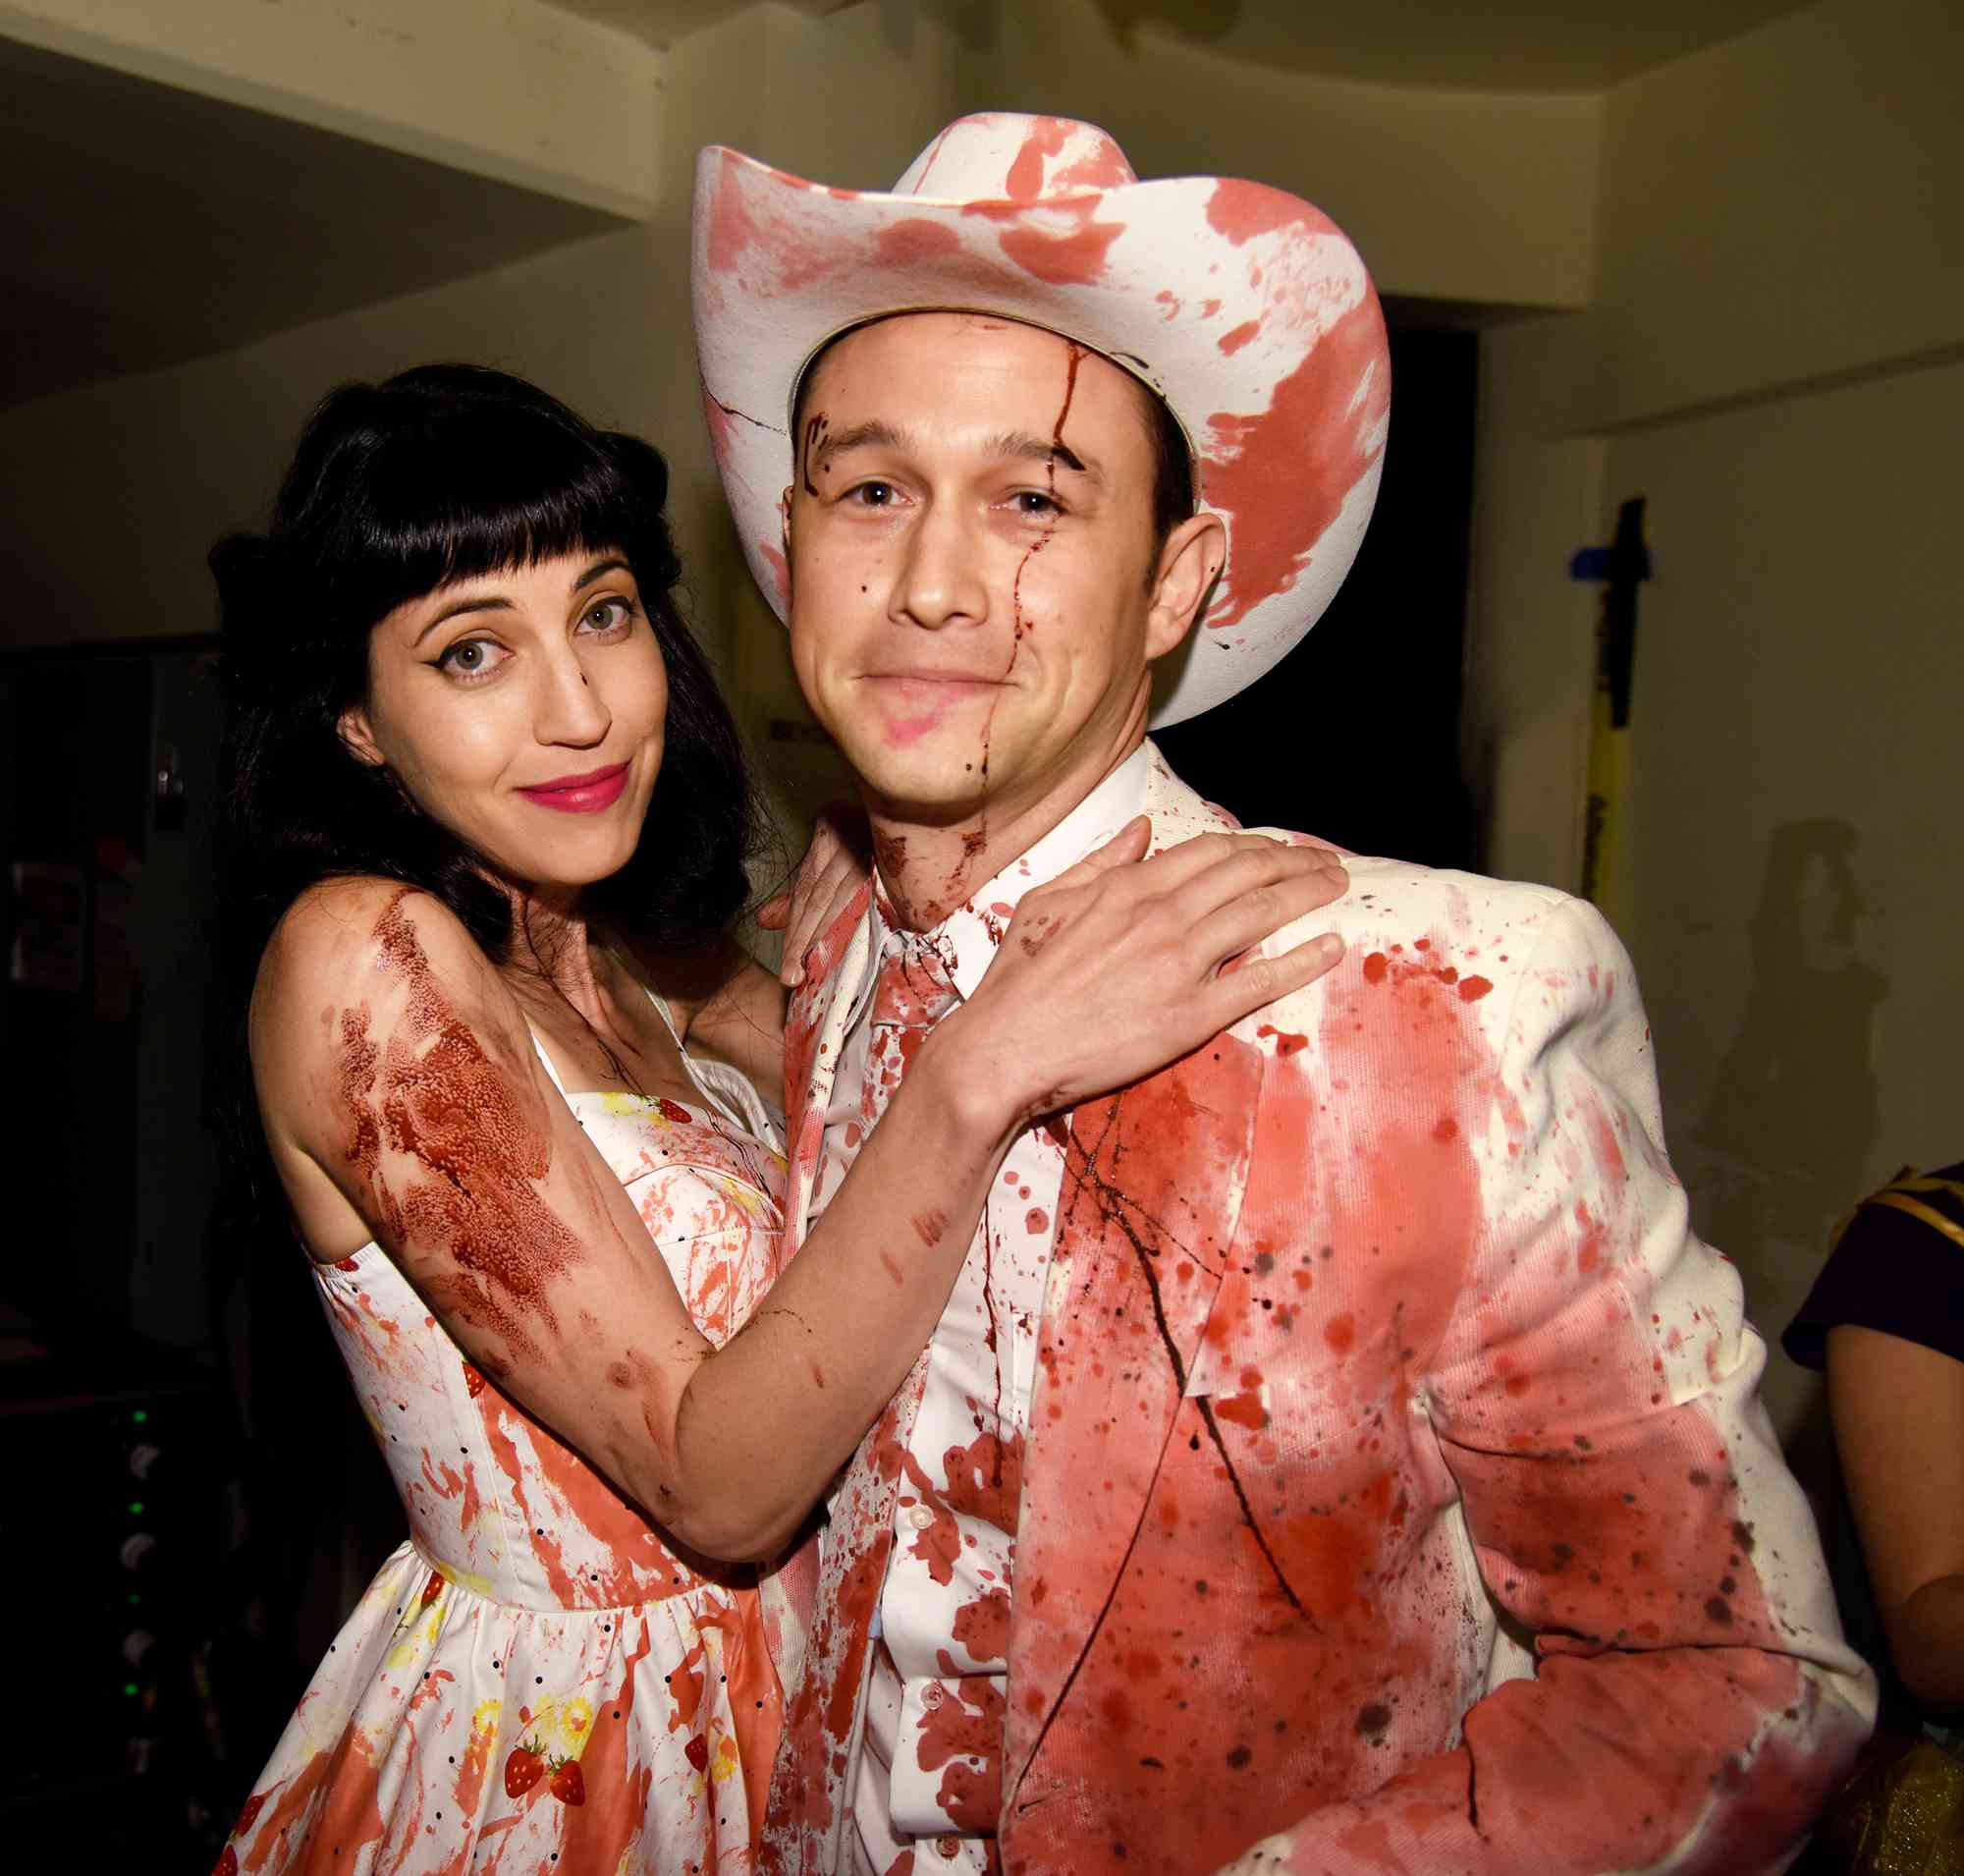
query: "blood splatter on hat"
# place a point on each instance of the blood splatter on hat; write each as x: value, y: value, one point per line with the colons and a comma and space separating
x: 1242, y: 307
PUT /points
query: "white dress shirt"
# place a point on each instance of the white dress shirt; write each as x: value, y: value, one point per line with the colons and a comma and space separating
x: 938, y: 1662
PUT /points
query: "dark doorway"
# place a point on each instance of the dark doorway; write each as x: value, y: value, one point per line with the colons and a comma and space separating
x: 1354, y: 737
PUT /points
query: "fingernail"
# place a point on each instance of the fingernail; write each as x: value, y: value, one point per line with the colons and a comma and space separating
x: 1330, y: 945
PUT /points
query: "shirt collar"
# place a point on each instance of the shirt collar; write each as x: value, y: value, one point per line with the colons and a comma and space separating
x: 966, y: 939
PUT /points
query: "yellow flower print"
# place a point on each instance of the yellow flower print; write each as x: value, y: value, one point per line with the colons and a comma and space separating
x: 724, y: 1765
x: 575, y: 1725
x: 486, y: 1715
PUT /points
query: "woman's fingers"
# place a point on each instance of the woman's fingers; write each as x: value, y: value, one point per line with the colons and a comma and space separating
x: 1260, y: 981
x: 1247, y: 908
x: 1126, y: 847
x: 834, y: 868
x: 1120, y: 966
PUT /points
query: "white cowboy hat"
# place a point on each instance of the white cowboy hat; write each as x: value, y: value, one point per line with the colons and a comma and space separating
x: 1243, y: 306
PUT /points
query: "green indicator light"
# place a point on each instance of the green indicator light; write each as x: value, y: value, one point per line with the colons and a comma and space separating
x: 136, y: 1508
x: 140, y: 1415
x: 129, y: 1689
x: 134, y: 1599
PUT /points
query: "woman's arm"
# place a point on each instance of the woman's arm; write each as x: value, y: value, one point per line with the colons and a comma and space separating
x: 1898, y: 1411
x: 394, y: 1068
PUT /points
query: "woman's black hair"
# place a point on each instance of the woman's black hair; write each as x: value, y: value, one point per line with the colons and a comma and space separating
x: 446, y: 473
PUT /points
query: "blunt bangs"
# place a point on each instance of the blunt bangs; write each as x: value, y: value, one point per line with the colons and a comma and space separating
x: 427, y: 480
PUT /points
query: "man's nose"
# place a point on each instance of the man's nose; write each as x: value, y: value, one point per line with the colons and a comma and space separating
x: 941, y: 579
x: 570, y: 709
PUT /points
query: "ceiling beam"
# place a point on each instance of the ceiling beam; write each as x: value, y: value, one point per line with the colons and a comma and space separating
x: 512, y: 89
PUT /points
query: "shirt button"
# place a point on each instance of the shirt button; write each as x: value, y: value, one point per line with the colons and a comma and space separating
x: 921, y: 1517
x: 949, y: 1846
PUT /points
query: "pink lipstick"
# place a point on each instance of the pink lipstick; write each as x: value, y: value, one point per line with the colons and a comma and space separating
x: 584, y: 794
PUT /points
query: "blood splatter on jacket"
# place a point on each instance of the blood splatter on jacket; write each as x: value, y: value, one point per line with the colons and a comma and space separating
x: 1396, y: 1497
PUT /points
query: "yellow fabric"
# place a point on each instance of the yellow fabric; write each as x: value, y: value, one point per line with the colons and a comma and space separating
x: 1902, y: 1814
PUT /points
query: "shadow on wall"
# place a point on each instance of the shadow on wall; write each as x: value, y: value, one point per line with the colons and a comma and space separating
x: 975, y: 21
x: 1788, y: 1140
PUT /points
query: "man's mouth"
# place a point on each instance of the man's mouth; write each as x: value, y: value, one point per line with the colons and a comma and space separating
x: 914, y: 703
x: 932, y: 684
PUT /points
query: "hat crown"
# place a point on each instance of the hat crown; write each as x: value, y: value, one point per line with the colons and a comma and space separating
x: 1010, y: 156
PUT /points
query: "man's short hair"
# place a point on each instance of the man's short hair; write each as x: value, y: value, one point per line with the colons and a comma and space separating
x: 1173, y: 464
x: 1172, y: 460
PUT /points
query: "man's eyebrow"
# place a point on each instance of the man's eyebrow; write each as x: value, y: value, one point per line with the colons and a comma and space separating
x: 497, y: 602
x: 1012, y: 444
x: 875, y: 434
x: 1042, y: 449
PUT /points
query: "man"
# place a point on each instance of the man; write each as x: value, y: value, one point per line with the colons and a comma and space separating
x: 1336, y: 1454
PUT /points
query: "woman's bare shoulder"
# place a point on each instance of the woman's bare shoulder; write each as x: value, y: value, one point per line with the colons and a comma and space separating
x: 347, y: 941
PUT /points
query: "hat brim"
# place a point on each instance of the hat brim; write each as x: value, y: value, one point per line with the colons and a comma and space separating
x: 1245, y: 309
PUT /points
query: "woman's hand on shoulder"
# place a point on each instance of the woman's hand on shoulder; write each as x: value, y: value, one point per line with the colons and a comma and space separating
x: 1125, y: 963
x: 835, y: 865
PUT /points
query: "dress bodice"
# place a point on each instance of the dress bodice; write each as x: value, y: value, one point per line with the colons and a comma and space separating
x: 495, y: 1499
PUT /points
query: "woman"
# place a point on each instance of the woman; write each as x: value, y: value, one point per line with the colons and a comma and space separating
x: 1885, y: 1320
x: 491, y: 817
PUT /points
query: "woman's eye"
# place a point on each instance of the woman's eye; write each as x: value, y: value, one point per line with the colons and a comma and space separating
x: 607, y: 615
x: 472, y: 658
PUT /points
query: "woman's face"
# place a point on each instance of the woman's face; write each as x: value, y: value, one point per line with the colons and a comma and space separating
x: 522, y: 710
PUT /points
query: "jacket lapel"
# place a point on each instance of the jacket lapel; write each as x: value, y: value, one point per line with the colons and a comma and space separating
x: 814, y: 1030
x: 1153, y: 1179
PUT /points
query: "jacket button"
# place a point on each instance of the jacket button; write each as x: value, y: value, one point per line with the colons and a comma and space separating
x: 949, y: 1846
x: 921, y: 1517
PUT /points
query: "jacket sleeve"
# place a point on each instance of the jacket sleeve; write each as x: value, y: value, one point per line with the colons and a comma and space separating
x: 1681, y: 1697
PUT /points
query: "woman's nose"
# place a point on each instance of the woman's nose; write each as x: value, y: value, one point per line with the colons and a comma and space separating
x: 571, y: 708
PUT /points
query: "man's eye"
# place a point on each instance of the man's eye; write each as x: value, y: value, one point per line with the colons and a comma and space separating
x: 873, y: 494
x: 1033, y: 501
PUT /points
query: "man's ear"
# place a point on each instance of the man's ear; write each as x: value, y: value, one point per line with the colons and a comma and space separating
x: 355, y: 731
x: 1188, y: 565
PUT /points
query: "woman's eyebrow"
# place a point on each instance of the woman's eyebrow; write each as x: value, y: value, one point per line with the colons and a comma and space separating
x: 613, y: 564
x: 497, y: 602
x: 484, y: 602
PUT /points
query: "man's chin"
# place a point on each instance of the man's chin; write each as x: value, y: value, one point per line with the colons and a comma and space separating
x: 919, y: 786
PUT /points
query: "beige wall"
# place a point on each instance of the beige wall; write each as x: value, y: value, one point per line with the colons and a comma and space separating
x: 1775, y: 359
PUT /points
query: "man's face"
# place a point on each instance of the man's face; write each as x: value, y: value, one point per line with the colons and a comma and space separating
x: 974, y: 582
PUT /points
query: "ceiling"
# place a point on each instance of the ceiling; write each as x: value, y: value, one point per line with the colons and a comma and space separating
x: 1486, y: 45
x: 143, y: 225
